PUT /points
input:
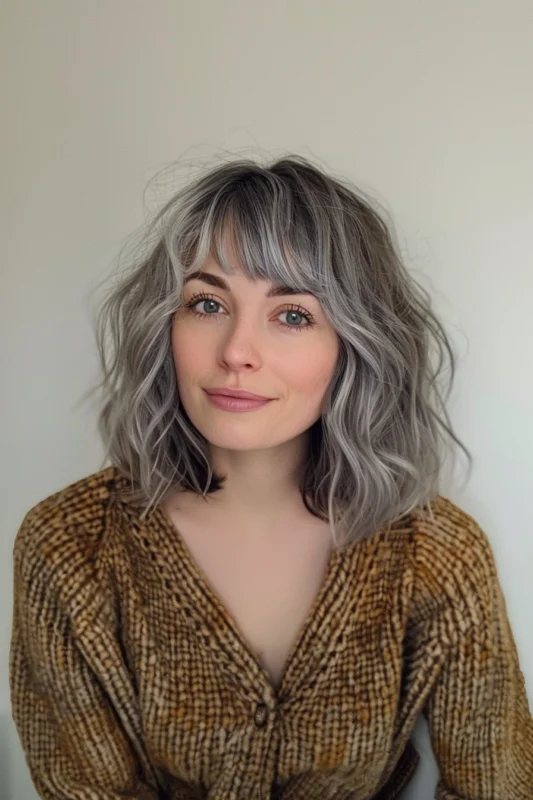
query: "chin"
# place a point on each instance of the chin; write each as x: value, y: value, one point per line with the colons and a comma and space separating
x: 238, y: 443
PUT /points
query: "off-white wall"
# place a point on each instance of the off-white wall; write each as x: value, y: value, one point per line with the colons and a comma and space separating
x: 427, y: 104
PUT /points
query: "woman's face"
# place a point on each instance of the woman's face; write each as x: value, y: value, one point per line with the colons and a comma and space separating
x: 240, y: 338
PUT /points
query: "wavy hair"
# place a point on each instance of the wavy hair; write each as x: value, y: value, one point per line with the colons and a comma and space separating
x: 375, y: 452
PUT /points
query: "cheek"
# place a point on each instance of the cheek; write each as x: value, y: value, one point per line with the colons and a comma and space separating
x: 312, y: 373
x: 186, y: 353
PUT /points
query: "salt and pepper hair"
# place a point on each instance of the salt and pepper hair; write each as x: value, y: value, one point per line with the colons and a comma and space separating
x: 375, y: 454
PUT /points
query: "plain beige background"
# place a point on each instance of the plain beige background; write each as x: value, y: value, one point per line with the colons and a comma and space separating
x: 426, y: 104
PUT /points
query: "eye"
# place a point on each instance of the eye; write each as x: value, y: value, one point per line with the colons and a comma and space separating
x: 194, y: 301
x: 301, y: 312
x: 293, y: 310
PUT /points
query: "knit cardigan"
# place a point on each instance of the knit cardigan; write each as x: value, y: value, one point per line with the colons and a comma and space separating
x: 130, y: 679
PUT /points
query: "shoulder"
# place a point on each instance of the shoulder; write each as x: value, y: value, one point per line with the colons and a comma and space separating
x: 453, y: 558
x: 59, y: 537
x: 449, y: 536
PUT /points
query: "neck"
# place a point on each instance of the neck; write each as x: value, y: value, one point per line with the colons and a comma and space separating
x: 260, y: 483
x: 260, y: 486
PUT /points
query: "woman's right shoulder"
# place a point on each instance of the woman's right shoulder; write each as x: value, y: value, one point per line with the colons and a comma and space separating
x: 59, y: 537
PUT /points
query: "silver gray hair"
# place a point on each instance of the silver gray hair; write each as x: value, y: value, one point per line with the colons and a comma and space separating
x: 375, y: 452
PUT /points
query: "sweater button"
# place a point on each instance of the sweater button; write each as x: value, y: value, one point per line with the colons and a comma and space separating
x: 261, y: 714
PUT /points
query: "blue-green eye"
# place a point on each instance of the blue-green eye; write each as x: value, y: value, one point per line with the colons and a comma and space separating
x: 291, y: 309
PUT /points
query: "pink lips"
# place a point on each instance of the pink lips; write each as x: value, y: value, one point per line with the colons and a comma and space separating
x: 227, y: 392
x: 233, y: 403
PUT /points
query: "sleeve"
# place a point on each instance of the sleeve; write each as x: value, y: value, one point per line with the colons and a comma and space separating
x: 478, y: 714
x: 74, y: 744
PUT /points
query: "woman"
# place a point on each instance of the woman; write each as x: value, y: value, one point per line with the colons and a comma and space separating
x: 257, y: 598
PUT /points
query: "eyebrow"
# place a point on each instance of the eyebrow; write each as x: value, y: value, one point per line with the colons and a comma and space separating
x: 220, y: 283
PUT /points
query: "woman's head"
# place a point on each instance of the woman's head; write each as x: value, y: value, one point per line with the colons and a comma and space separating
x: 363, y: 373
x: 235, y: 332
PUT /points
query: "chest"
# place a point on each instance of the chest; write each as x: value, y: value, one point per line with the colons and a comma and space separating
x: 267, y: 584
x: 198, y: 691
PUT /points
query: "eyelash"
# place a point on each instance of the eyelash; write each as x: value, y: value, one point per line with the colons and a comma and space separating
x: 306, y: 314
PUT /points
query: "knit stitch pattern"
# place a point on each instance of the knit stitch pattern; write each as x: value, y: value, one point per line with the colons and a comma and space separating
x: 130, y: 679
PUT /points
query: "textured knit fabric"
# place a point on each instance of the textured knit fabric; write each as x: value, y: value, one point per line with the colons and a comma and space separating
x: 129, y: 679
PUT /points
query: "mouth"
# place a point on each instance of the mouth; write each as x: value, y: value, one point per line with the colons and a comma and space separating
x: 229, y: 402
x: 237, y: 394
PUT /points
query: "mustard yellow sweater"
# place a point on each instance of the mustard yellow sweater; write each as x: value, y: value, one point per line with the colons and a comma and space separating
x: 129, y: 679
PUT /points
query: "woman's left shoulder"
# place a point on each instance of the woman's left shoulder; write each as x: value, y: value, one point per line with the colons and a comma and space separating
x: 449, y: 532
x: 452, y: 553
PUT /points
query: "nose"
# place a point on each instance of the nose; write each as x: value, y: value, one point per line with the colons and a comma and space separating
x: 240, y: 345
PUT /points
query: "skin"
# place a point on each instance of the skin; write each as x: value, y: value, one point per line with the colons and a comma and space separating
x: 241, y: 342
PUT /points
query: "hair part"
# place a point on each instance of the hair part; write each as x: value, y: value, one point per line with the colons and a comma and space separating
x: 375, y: 453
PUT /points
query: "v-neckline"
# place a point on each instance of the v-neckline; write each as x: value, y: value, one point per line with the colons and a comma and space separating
x: 224, y: 623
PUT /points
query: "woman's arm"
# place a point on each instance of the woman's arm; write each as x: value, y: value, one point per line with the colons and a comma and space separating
x: 478, y: 713
x: 75, y: 745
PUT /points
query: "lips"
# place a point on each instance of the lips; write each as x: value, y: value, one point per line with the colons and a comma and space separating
x: 238, y: 394
x: 232, y: 403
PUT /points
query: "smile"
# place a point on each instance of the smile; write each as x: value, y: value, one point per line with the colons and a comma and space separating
x: 235, y: 403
